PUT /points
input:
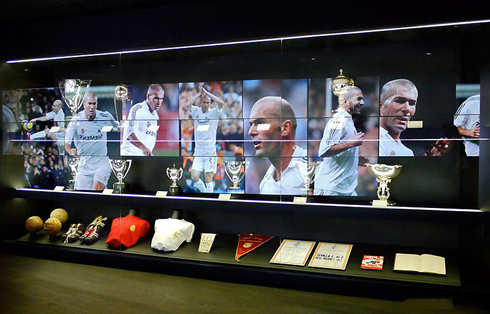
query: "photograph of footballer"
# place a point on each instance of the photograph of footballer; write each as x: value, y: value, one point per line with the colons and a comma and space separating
x: 211, y: 130
x: 276, y: 136
x: 85, y: 132
x: 151, y: 127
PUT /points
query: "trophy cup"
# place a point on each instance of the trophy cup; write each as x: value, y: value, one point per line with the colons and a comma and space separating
x: 384, y: 174
x: 72, y: 162
x: 339, y: 83
x: 309, y: 170
x: 235, y: 170
x: 174, y: 174
x: 73, y: 92
x: 120, y: 168
x: 121, y: 94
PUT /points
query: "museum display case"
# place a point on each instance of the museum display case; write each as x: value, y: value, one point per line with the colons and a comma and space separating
x: 376, y: 139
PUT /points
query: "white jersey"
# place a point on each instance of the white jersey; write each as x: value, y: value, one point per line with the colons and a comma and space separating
x: 87, y: 135
x: 140, y: 119
x: 390, y: 147
x: 292, y: 178
x: 339, y: 172
x: 205, y: 128
x: 59, y: 117
x: 468, y: 117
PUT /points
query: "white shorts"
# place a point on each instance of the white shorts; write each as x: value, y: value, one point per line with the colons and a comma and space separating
x: 131, y: 151
x: 92, y: 169
x: 206, y: 164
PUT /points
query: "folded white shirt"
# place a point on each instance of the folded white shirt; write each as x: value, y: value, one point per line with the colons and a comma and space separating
x: 170, y: 233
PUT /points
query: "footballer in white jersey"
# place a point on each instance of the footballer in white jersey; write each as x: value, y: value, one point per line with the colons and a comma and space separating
x: 205, y: 128
x: 140, y: 130
x: 339, y: 148
x: 276, y: 142
x: 85, y: 131
x: 57, y: 115
x: 467, y: 120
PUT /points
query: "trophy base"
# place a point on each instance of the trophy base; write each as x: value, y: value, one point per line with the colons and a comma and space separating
x: 119, y: 188
x: 382, y: 203
x: 70, y: 186
x: 173, y: 190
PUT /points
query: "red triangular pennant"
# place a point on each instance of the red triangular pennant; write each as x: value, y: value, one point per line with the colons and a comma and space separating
x: 248, y: 242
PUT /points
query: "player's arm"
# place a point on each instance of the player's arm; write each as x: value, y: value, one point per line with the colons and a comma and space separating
x: 335, y: 149
x: 69, y: 134
x: 332, y: 143
x: 42, y: 119
x: 192, y: 101
x: 133, y: 139
x: 215, y: 98
x: 475, y: 132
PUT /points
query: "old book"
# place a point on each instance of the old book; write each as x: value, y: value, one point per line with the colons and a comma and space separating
x: 424, y: 263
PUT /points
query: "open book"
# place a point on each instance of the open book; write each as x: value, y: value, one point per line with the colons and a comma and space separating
x: 424, y: 263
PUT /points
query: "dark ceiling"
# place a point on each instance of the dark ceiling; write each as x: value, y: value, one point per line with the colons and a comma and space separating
x: 36, y: 28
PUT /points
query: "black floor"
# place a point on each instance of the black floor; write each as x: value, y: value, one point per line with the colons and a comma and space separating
x: 33, y: 285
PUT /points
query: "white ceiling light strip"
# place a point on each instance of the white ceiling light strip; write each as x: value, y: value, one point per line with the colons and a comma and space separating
x: 242, y: 42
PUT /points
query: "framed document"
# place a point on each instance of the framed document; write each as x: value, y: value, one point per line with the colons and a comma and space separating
x: 331, y: 255
x: 293, y: 252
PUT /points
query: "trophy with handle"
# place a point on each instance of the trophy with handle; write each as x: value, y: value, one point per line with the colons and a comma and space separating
x: 73, y: 162
x: 73, y: 92
x: 384, y: 174
x: 120, y: 168
x: 339, y: 85
x: 235, y: 170
x: 174, y: 174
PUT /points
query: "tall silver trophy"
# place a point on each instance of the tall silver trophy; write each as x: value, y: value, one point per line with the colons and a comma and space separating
x: 308, y: 169
x: 73, y: 162
x: 120, y: 168
x: 73, y: 92
x: 174, y: 174
x: 384, y: 174
x: 235, y: 170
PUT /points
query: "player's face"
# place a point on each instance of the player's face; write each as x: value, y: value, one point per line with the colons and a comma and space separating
x: 90, y: 107
x: 397, y: 111
x: 265, y: 130
x: 205, y: 103
x: 355, y: 102
x: 155, y: 99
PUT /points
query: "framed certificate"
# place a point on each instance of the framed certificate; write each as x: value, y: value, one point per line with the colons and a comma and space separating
x: 293, y: 252
x: 331, y: 255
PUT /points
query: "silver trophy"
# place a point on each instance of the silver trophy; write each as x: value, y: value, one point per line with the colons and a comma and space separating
x: 73, y: 162
x: 235, y: 170
x: 120, y: 168
x: 73, y: 92
x: 308, y: 168
x: 174, y: 174
x: 384, y: 174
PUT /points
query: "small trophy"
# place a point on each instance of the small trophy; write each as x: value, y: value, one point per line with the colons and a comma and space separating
x: 72, y: 162
x: 174, y: 174
x: 235, y: 170
x: 73, y: 92
x: 339, y: 84
x: 120, y: 168
x: 309, y: 175
x: 384, y: 174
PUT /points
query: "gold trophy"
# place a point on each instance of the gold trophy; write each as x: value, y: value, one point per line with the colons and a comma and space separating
x: 174, y: 174
x: 235, y: 170
x: 120, y: 168
x: 73, y: 92
x: 339, y: 83
x: 121, y: 94
x: 72, y: 162
x: 384, y: 174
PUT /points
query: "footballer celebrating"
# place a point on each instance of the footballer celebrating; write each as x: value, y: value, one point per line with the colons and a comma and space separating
x: 85, y: 131
x: 205, y: 129
x: 140, y: 131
